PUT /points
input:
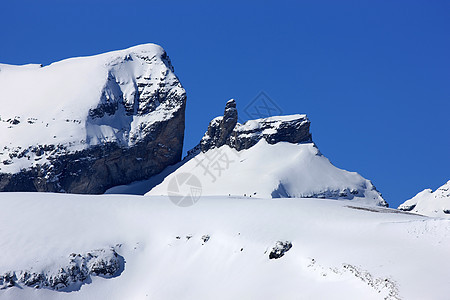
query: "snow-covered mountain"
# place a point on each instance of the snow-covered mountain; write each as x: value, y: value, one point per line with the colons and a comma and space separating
x: 429, y: 203
x: 85, y: 124
x: 61, y: 246
x: 271, y: 157
x: 209, y: 226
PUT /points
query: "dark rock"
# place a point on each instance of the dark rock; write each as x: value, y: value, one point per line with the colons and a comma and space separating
x: 280, y: 248
x: 407, y: 207
x: 205, y: 238
x: 7, y: 280
x: 226, y: 131
x: 104, y: 262
x: 220, y: 129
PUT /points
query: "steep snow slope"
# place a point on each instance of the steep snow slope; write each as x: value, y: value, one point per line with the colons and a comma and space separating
x: 118, y: 100
x: 279, y: 170
x: 220, y: 248
x: 429, y: 203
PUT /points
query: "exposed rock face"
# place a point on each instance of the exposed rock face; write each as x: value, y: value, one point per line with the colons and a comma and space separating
x: 220, y: 129
x: 79, y: 268
x: 227, y: 131
x: 122, y: 120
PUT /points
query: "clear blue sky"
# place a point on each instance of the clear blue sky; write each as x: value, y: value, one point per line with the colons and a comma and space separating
x: 373, y: 76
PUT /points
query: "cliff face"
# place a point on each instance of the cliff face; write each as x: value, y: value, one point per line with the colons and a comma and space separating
x: 86, y: 124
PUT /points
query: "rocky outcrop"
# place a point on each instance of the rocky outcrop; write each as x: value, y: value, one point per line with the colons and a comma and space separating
x: 227, y: 131
x: 221, y: 129
x: 280, y: 248
x: 126, y: 123
x: 69, y: 277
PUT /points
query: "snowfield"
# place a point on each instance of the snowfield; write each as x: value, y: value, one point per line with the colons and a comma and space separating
x: 221, y: 248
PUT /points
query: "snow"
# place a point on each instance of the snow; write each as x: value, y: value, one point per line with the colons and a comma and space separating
x: 143, y: 186
x: 51, y: 104
x: 280, y: 170
x: 340, y: 249
x: 429, y: 203
x: 275, y: 120
x: 264, y: 224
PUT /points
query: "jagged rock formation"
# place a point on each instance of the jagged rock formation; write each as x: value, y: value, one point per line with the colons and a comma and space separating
x: 86, y: 124
x: 79, y: 268
x: 429, y: 203
x: 227, y: 131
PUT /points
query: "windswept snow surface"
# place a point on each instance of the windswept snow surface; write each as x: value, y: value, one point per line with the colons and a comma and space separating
x: 279, y: 170
x: 275, y: 122
x: 429, y: 203
x: 226, y: 248
x: 51, y: 105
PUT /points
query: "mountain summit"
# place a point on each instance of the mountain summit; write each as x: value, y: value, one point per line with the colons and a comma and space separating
x: 225, y: 130
x: 81, y: 125
x: 271, y: 157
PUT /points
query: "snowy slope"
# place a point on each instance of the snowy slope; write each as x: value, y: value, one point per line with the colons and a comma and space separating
x: 429, y: 203
x: 77, y: 103
x: 279, y: 170
x: 220, y: 248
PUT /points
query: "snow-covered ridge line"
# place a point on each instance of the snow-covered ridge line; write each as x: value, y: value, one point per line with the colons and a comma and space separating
x: 429, y: 203
x: 106, y: 57
x: 6, y: 67
x: 114, y: 57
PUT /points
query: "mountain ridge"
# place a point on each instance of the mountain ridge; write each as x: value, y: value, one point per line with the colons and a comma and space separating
x: 272, y: 157
x: 82, y: 122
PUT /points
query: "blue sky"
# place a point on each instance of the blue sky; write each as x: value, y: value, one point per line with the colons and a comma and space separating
x: 373, y: 76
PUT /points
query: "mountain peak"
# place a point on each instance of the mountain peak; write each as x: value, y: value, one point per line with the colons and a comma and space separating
x: 271, y: 157
x: 225, y: 130
x: 78, y: 125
